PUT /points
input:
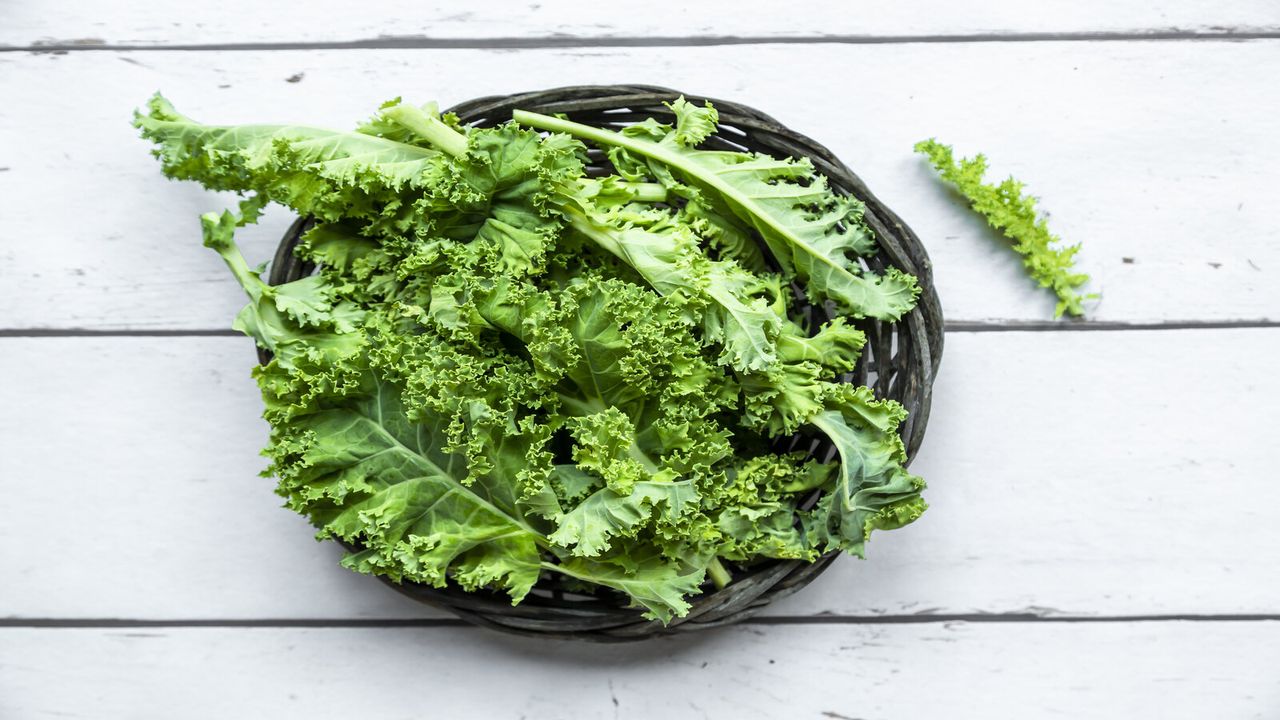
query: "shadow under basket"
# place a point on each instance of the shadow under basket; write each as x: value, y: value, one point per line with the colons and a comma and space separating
x: 898, y: 362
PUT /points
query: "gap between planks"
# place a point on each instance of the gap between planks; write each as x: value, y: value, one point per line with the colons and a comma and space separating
x: 923, y: 619
x: 418, y: 42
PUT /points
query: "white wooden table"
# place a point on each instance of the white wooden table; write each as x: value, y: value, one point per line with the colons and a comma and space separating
x: 1104, y: 538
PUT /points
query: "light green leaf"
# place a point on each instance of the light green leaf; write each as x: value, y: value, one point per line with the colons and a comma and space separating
x: 727, y: 301
x: 657, y: 584
x: 327, y: 174
x: 811, y: 230
x: 606, y: 514
x: 873, y: 489
x: 1008, y: 210
x: 693, y: 124
x: 425, y: 515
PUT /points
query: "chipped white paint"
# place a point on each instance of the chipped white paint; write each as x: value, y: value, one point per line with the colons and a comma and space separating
x: 155, y: 22
x: 1083, y: 473
x: 1154, y: 153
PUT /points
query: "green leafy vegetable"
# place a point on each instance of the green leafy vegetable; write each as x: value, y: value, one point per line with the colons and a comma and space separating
x: 507, y: 372
x: 1009, y: 211
x: 811, y: 231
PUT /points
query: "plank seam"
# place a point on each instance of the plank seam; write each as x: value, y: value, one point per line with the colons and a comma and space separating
x: 339, y: 623
x: 968, y: 326
x: 417, y: 42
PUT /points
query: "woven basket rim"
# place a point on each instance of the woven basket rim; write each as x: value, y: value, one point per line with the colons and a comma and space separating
x: 920, y: 330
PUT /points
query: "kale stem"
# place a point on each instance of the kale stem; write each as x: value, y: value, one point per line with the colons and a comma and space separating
x: 718, y: 574
x: 647, y: 192
x: 429, y: 128
x: 219, y: 234
x: 583, y: 224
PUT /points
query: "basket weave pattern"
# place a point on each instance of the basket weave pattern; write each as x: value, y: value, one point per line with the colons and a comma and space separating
x: 899, y: 362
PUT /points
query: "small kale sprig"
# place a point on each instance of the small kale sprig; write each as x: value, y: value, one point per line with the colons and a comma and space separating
x: 1009, y: 211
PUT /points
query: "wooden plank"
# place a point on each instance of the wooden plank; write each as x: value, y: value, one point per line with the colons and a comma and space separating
x: 958, y: 671
x: 1156, y: 156
x: 155, y: 23
x: 1105, y: 473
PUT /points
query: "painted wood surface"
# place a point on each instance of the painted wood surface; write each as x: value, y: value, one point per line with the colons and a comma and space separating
x: 91, y: 23
x: 1157, y: 157
x: 1081, y: 474
x: 1079, y: 481
x: 959, y: 671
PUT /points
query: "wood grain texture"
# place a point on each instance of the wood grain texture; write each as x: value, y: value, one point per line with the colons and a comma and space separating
x: 1084, y: 474
x: 153, y: 22
x: 1158, y: 157
x: 956, y: 671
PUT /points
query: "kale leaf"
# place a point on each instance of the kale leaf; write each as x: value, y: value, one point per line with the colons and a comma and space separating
x: 507, y: 370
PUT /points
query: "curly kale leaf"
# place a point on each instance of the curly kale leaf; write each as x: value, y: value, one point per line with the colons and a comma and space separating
x: 810, y: 230
x: 326, y: 174
x: 651, y: 580
x: 588, y: 528
x: 299, y: 322
x: 873, y: 490
x: 731, y: 305
x: 414, y: 507
x: 505, y: 370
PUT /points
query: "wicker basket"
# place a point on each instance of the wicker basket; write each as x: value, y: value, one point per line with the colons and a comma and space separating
x: 899, y: 362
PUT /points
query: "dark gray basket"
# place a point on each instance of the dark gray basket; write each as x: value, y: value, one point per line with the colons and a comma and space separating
x: 899, y: 362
